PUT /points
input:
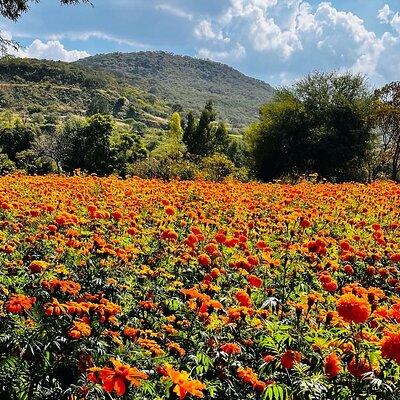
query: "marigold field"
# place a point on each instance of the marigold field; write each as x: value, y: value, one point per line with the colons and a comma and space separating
x: 141, y: 289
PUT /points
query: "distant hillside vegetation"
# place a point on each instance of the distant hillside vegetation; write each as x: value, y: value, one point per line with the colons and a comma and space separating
x: 61, y: 89
x: 189, y: 82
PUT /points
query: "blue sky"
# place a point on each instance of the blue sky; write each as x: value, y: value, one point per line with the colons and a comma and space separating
x: 274, y: 40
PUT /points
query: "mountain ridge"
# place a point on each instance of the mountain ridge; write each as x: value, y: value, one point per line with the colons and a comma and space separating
x: 237, y: 96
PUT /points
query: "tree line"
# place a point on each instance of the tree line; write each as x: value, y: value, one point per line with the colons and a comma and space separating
x: 330, y: 125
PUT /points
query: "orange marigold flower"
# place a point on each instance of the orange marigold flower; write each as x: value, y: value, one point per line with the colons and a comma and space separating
x: 204, y: 260
x: 290, y: 358
x: 79, y: 329
x: 390, y: 346
x: 183, y: 384
x: 269, y: 358
x: 220, y: 238
x: 330, y: 286
x: 170, y: 210
x: 131, y: 332
x: 332, y: 365
x: 175, y: 348
x: 247, y: 375
x: 353, y: 309
x: 55, y: 308
x: 19, y: 303
x: 37, y: 266
x: 230, y: 348
x: 395, y: 257
x: 359, y: 367
x: 255, y: 281
x: 243, y: 298
x: 117, y: 378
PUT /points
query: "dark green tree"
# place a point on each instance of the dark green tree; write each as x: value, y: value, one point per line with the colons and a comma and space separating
x: 203, y: 138
x: 95, y: 142
x: 321, y: 125
x: 387, y: 119
x: 126, y: 148
x: 87, y: 144
x: 221, y: 138
x: 98, y: 105
x: 16, y: 135
x: 190, y: 132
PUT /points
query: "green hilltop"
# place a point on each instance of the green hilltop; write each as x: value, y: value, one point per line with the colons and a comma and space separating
x: 145, y: 87
x: 187, y: 83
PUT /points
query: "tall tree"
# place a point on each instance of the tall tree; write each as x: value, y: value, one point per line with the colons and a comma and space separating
x: 203, y: 138
x: 388, y: 124
x: 322, y: 124
x: 16, y: 135
x: 221, y: 138
x: 172, y: 145
x: 175, y: 126
x: 190, y: 132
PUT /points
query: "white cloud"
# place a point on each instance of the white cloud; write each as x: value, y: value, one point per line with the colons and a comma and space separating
x: 237, y: 52
x: 176, y: 11
x: 84, y: 36
x: 50, y: 50
x: 288, y: 38
x: 384, y: 14
x: 204, y: 30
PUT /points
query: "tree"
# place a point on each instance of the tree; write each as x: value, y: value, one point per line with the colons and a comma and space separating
x: 67, y: 145
x: 221, y: 140
x: 199, y: 135
x: 190, y: 132
x: 175, y: 126
x: 98, y: 105
x: 322, y: 124
x: 126, y: 148
x: 172, y: 145
x: 89, y: 144
x: 16, y: 135
x: 95, y: 143
x: 203, y: 139
x: 388, y: 124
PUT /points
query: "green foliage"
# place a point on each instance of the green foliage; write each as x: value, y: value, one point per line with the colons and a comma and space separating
x: 217, y: 167
x: 15, y: 134
x: 190, y: 130
x: 319, y: 125
x: 386, y: 158
x: 97, y: 144
x: 126, y: 148
x: 203, y: 139
x: 29, y: 161
x: 175, y: 126
x: 65, y: 89
x: 164, y: 168
x: 205, y: 136
x: 188, y: 83
x: 6, y: 165
x: 98, y: 105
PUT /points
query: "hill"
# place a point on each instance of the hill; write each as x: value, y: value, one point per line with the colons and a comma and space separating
x: 60, y: 89
x: 188, y: 82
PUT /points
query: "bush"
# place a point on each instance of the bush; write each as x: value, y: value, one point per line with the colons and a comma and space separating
x: 6, y: 165
x: 166, y: 169
x: 218, y: 167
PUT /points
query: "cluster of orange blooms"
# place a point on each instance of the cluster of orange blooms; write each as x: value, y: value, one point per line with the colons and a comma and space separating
x: 187, y: 285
